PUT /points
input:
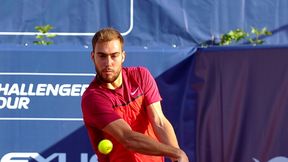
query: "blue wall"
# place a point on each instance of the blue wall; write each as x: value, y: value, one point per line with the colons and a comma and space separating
x: 144, y: 23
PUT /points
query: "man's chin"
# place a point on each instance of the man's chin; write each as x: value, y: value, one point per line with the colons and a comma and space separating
x: 107, y: 80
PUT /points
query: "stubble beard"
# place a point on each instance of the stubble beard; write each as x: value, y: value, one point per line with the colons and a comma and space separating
x: 108, y: 79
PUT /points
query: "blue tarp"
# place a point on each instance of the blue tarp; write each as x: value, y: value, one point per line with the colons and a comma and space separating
x: 241, y: 104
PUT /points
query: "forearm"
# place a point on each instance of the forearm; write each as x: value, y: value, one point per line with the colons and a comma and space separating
x: 139, y: 142
x: 165, y: 133
x: 146, y: 145
x: 161, y: 126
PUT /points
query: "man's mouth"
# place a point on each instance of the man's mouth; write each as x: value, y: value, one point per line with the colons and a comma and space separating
x: 107, y: 71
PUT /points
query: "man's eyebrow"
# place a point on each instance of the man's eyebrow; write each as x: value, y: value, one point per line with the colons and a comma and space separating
x: 103, y: 53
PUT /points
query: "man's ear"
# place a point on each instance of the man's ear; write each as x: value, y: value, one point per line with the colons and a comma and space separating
x: 123, y: 56
x: 92, y: 55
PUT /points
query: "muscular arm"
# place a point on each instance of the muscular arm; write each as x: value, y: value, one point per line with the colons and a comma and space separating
x: 161, y: 126
x: 141, y: 143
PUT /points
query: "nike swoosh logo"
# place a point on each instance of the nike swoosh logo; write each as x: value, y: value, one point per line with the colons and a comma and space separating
x: 133, y: 93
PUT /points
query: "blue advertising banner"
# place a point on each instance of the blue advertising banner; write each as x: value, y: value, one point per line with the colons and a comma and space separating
x: 40, y: 114
x: 40, y: 96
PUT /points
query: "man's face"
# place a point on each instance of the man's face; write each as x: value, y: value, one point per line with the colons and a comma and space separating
x: 108, y: 58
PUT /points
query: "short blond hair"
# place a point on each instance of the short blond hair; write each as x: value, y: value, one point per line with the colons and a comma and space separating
x: 107, y: 34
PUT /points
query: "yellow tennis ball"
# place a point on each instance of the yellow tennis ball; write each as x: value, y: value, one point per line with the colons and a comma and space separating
x: 105, y: 146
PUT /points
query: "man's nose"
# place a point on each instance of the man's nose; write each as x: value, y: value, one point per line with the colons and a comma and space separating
x: 108, y: 60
